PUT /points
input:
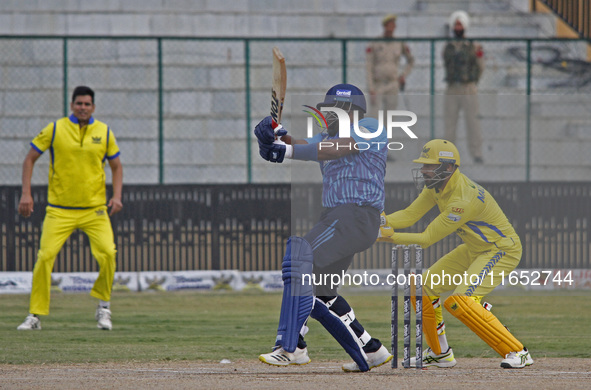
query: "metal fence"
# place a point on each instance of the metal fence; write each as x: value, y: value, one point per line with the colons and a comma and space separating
x: 183, y: 109
x: 245, y: 227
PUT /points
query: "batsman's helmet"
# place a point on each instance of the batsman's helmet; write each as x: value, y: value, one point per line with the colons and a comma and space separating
x: 345, y: 96
x: 438, y: 151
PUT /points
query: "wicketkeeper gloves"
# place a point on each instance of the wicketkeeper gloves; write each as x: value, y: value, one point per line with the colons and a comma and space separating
x: 386, y: 232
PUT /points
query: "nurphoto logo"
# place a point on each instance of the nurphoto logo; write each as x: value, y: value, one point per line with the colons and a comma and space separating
x: 392, y: 119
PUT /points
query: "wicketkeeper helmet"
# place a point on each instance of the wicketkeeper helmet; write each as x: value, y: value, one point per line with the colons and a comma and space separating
x: 438, y: 151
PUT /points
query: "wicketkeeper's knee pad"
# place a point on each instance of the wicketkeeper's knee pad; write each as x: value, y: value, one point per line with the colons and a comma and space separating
x: 298, y: 299
x: 430, y: 323
x: 483, y: 323
x: 340, y: 322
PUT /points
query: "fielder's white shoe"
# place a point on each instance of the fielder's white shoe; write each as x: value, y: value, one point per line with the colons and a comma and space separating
x: 103, y: 316
x: 30, y: 323
x: 430, y: 359
x: 374, y: 359
x: 280, y: 357
x: 517, y: 359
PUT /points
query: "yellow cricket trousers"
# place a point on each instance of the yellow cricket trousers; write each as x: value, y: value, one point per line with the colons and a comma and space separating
x: 469, y: 273
x: 58, y: 225
x: 480, y: 272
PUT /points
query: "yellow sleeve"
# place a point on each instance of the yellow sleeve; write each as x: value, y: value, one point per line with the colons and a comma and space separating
x: 442, y: 226
x: 42, y: 141
x: 409, y: 216
x: 112, y: 148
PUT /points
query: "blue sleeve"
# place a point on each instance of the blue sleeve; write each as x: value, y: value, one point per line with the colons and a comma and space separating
x: 370, y: 125
x: 314, y: 140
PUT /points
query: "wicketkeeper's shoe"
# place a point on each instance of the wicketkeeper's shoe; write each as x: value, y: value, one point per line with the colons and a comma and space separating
x: 280, y: 357
x: 430, y: 359
x: 517, y: 359
x: 103, y: 316
x: 374, y: 359
x: 30, y: 323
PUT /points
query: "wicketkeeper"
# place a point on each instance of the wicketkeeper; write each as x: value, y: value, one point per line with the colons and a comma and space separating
x: 353, y: 197
x: 490, y: 247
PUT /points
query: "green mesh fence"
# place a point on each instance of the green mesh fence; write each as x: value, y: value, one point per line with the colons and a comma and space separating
x: 183, y: 109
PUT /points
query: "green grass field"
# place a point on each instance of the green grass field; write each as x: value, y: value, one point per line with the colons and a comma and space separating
x: 229, y: 325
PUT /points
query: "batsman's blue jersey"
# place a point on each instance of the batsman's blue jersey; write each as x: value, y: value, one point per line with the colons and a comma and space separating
x: 356, y: 178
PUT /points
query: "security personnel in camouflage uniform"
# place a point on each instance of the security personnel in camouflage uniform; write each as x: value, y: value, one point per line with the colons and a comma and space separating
x: 464, y: 63
x: 382, y: 60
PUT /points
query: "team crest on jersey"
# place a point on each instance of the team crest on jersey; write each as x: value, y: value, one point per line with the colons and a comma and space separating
x: 425, y: 153
x: 96, y: 140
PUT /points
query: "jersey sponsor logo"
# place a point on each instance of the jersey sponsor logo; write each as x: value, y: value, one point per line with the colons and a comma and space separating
x: 457, y: 210
x: 100, y: 212
x: 454, y: 217
x: 96, y: 140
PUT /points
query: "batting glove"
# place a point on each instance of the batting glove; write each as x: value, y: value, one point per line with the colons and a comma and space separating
x: 265, y: 133
x: 272, y: 152
x: 386, y: 232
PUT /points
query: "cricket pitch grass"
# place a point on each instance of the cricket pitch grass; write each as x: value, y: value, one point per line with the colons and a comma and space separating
x: 177, y: 340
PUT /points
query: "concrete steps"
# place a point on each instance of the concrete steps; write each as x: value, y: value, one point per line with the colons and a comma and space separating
x: 204, y: 95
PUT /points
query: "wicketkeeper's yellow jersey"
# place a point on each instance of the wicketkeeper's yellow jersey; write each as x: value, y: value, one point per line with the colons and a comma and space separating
x: 466, y: 208
x: 77, y: 161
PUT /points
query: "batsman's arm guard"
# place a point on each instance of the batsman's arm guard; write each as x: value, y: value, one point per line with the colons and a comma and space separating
x: 298, y: 299
x: 483, y: 323
x: 340, y: 328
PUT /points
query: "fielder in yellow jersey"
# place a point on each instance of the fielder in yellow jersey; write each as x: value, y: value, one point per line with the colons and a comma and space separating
x: 490, y: 247
x: 79, y: 146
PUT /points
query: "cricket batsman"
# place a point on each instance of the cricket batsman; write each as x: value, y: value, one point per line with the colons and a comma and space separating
x: 353, y: 197
x: 490, y: 246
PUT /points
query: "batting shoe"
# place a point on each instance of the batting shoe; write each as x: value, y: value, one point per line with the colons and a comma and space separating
x: 103, y: 316
x: 431, y: 359
x: 374, y: 359
x: 280, y: 357
x: 31, y: 323
x: 517, y: 359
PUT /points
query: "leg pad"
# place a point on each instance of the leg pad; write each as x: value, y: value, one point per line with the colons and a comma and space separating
x: 298, y: 299
x: 339, y: 327
x: 429, y: 322
x: 483, y: 323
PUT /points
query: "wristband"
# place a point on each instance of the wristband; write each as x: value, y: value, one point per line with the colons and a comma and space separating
x: 288, y: 151
x: 305, y: 152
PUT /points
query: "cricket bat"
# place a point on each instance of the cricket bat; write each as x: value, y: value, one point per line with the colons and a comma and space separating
x: 278, y: 88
